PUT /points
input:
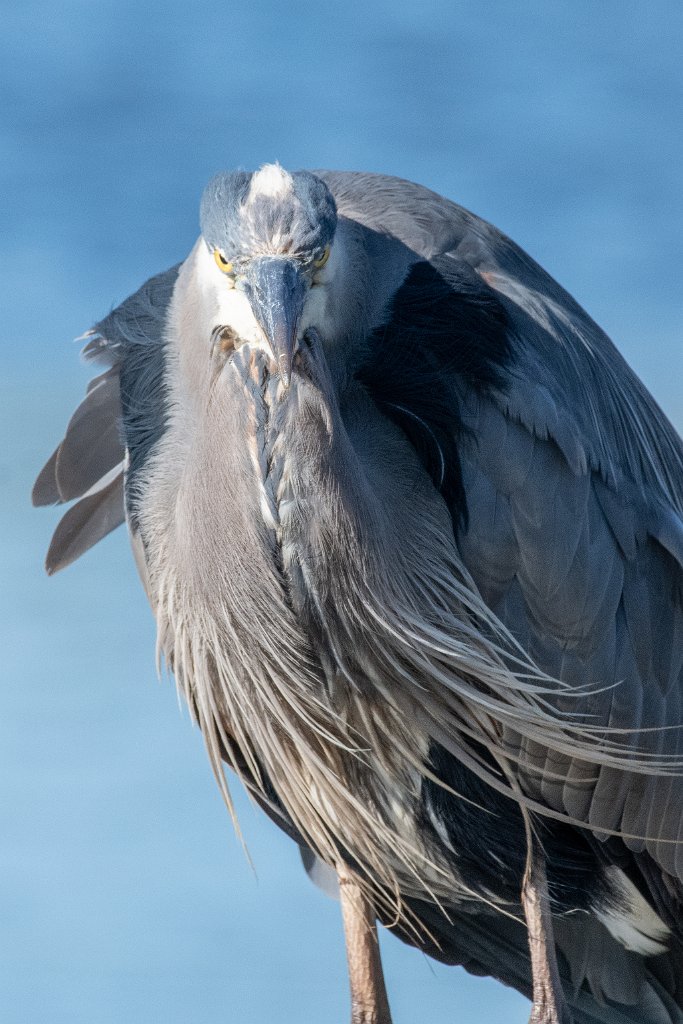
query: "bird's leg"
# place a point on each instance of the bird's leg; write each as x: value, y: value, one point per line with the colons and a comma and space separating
x: 549, y: 1006
x: 369, y: 1003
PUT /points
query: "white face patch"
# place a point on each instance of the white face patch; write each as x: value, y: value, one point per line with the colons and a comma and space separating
x: 271, y: 180
x: 224, y: 304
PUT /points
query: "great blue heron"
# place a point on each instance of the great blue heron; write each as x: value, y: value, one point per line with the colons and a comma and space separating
x: 412, y: 532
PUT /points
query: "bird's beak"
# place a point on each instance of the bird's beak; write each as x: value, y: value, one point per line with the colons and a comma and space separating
x: 276, y: 290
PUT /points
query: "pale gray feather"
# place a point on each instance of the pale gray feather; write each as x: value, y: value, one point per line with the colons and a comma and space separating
x: 86, y: 523
x: 92, y: 444
x: 45, y: 490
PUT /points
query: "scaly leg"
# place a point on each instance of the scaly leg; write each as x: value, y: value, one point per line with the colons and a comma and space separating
x: 549, y: 1002
x: 369, y: 1003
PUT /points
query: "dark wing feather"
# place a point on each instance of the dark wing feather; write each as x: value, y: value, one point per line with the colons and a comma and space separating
x: 573, y: 481
x: 87, y: 466
x: 598, y: 532
x: 485, y: 943
x: 547, y: 560
x: 570, y: 382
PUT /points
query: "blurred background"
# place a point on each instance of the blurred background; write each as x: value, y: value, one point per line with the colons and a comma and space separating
x: 124, y: 896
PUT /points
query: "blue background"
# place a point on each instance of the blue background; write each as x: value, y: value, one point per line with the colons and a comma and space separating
x: 124, y: 896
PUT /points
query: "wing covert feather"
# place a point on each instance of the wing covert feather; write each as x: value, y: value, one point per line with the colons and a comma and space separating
x: 577, y: 573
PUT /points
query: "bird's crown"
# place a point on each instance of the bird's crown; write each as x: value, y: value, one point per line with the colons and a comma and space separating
x: 267, y: 212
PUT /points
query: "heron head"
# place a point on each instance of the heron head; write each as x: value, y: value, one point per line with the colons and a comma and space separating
x: 268, y: 236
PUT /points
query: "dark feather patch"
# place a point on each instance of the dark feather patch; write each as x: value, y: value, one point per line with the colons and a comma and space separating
x: 445, y: 330
x: 488, y: 841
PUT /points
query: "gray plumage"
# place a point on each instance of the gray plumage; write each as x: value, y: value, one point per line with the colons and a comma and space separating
x: 449, y: 548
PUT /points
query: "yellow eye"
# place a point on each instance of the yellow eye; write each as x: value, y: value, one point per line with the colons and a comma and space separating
x: 319, y: 264
x: 221, y: 262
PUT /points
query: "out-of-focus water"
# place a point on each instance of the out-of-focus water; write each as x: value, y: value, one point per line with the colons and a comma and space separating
x: 124, y: 897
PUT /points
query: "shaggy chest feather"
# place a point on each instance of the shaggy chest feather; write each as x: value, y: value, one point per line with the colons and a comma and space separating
x: 268, y: 657
x: 307, y: 628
